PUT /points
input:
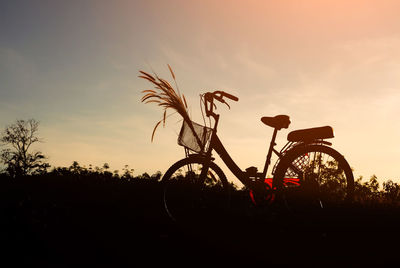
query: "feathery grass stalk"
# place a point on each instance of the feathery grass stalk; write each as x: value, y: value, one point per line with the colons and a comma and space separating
x: 165, y: 96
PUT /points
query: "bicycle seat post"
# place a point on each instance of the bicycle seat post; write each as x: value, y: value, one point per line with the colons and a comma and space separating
x: 271, y: 147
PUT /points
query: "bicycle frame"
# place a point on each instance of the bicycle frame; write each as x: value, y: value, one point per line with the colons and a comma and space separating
x: 243, y: 176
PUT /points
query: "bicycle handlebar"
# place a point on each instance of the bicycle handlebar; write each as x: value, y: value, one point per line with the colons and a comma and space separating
x: 229, y: 96
x: 223, y: 94
x: 218, y: 95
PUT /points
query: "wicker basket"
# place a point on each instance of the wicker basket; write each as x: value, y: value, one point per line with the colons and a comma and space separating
x: 195, y: 137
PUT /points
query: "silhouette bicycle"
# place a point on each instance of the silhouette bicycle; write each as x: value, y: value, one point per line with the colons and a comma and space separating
x: 308, y: 172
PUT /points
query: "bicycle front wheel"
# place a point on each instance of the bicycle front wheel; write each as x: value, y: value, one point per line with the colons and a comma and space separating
x: 193, y: 196
x: 321, y: 177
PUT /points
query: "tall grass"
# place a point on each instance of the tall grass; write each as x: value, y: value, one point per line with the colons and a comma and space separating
x: 165, y: 96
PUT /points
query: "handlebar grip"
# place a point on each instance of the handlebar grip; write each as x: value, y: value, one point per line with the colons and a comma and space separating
x: 229, y: 96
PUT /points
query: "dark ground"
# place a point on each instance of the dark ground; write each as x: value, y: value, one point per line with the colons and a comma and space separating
x: 64, y: 222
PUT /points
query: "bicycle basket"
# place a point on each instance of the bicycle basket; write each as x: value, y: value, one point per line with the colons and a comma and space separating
x: 195, y: 137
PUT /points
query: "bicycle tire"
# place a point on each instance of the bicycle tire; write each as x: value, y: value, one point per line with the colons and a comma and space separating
x: 321, y: 182
x: 187, y: 198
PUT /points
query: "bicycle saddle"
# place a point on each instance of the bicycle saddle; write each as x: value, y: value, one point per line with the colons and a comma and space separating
x: 311, y: 134
x: 278, y: 122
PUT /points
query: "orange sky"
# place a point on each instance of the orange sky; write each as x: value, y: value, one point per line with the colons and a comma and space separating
x: 321, y: 62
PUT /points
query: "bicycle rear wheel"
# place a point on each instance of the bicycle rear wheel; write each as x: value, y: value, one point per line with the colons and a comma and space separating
x: 191, y: 198
x: 323, y: 177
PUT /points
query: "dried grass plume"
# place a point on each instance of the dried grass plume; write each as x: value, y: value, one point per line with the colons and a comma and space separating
x: 164, y: 95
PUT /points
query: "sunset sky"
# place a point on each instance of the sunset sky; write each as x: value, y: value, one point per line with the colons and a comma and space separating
x: 73, y: 66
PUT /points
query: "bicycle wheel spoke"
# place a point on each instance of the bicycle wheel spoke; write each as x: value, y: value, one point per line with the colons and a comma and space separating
x: 191, y: 195
x: 323, y: 176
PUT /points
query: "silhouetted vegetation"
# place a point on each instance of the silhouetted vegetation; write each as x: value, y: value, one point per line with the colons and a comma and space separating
x: 16, y: 156
x: 370, y: 192
x: 366, y: 191
x: 80, y: 216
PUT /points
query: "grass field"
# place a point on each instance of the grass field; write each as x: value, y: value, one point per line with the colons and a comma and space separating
x: 67, y: 221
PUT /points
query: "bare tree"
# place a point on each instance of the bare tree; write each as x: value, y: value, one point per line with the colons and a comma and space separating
x: 18, y: 138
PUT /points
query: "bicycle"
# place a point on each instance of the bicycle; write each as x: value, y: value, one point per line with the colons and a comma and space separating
x: 308, y: 172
